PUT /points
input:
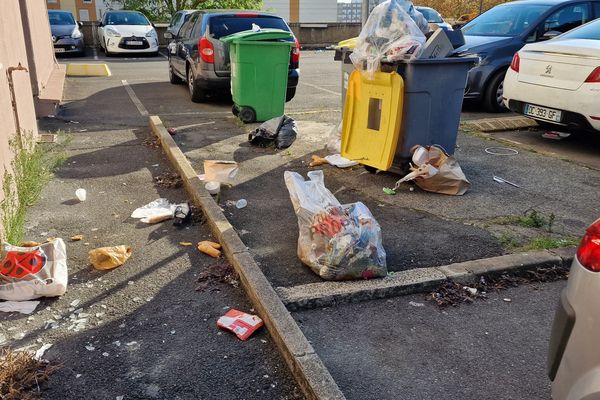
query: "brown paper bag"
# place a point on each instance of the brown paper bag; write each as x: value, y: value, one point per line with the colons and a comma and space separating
x: 109, y: 257
x: 220, y: 171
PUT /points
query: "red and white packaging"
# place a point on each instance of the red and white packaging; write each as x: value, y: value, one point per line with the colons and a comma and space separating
x: 240, y: 323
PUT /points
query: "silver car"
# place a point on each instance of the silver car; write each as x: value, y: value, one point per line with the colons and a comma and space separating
x: 66, y: 36
x: 574, y: 355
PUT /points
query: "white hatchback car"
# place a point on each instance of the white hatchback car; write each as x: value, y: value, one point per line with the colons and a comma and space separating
x: 127, y: 32
x: 558, y: 82
x: 574, y: 355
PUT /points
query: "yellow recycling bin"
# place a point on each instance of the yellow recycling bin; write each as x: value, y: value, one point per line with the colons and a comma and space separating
x: 372, y: 118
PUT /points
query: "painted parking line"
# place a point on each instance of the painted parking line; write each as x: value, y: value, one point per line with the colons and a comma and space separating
x: 321, y: 88
x: 135, y: 99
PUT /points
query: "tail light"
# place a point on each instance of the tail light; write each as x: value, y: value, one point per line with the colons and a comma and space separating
x: 296, y: 52
x: 594, y: 76
x: 207, y: 51
x: 516, y: 62
x: 588, y: 252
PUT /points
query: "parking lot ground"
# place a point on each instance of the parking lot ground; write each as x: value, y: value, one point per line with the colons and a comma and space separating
x: 409, y: 348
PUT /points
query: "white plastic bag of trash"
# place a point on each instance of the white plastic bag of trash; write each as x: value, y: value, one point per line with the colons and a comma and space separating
x: 157, y: 211
x: 28, y: 273
x: 336, y: 241
x: 434, y: 170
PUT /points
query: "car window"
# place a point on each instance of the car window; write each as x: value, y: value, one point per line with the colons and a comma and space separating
x: 566, y: 18
x: 510, y: 19
x: 175, y: 19
x: 196, y: 32
x: 590, y: 31
x: 126, y: 18
x: 596, y: 9
x: 186, y: 29
x: 61, y: 18
x: 430, y: 15
x: 229, y: 24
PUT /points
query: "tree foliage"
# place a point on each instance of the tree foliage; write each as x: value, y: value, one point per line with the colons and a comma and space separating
x: 162, y: 10
x: 456, y: 8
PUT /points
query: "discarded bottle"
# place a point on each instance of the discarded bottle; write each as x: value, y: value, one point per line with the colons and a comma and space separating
x: 241, y: 203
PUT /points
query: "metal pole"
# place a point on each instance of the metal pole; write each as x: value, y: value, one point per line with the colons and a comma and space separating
x: 364, y: 12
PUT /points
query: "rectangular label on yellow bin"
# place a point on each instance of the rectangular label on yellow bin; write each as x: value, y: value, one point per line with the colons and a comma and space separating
x: 372, y: 118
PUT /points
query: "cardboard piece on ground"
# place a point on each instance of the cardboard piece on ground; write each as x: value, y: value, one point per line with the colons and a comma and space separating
x: 220, y: 171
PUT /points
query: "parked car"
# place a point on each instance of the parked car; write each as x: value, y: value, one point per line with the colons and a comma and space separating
x: 496, y: 35
x: 66, y: 36
x: 434, y: 17
x: 558, y: 81
x: 127, y: 32
x: 198, y: 57
x: 574, y: 357
x: 177, y: 21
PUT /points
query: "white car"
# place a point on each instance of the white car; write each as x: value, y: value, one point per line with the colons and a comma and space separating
x: 558, y: 82
x: 127, y: 32
x: 574, y: 354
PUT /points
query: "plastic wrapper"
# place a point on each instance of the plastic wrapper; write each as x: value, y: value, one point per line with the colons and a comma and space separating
x: 30, y: 272
x: 395, y: 30
x: 334, y: 143
x: 337, y: 242
x: 109, y: 257
x: 281, y: 130
x: 240, y: 323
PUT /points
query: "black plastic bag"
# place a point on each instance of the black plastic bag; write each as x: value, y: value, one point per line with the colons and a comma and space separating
x: 281, y: 130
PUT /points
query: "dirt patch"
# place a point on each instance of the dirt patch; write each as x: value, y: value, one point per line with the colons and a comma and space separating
x: 21, y: 375
x: 151, y: 142
x: 168, y: 179
x: 451, y: 293
x: 215, y: 275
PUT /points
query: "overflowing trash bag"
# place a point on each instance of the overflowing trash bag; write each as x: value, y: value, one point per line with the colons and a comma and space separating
x: 281, y: 130
x: 337, y: 242
x: 395, y: 30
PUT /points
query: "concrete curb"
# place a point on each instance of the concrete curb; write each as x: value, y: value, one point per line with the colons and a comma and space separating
x: 306, y: 366
x: 325, y: 294
x: 500, y: 124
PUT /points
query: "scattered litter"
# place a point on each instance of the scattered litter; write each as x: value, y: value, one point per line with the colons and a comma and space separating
x: 415, y: 304
x: 280, y: 130
x: 76, y: 238
x: 210, y: 248
x: 240, y: 323
x: 339, y: 161
x: 172, y: 131
x: 81, y: 194
x: 555, y: 135
x: 104, y: 258
x: 502, y: 180
x: 201, y: 176
x: 470, y: 289
x: 117, y: 343
x: 158, y: 210
x: 507, y: 300
x: 29, y: 243
x: 72, y: 122
x: 173, y: 332
x: 120, y: 397
x: 182, y: 214
x: 336, y: 241
x: 334, y: 144
x: 220, y: 171
x: 241, y: 203
x: 169, y: 179
x: 40, y: 352
x: 23, y: 307
x: 21, y: 374
x: 151, y: 142
x: 78, y: 376
x: 389, y: 191
x: 215, y: 274
x: 94, y: 229
x: 27, y: 273
x: 90, y: 347
x: 501, y: 151
x: 213, y: 187
x: 435, y: 171
x: 317, y: 160
x: 105, y: 354
x: 186, y: 243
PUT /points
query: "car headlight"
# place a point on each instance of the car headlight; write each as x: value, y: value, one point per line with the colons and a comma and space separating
x: 151, y: 33
x: 112, y: 32
x: 76, y: 34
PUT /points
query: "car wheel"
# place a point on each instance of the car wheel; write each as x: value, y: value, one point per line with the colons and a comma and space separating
x: 174, y: 79
x: 196, y: 94
x: 289, y: 94
x: 493, y: 94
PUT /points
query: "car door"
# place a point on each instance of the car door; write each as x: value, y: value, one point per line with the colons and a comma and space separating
x: 181, y: 50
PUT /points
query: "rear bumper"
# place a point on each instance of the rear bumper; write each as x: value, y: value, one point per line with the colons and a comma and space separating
x: 564, y: 320
x: 569, y: 119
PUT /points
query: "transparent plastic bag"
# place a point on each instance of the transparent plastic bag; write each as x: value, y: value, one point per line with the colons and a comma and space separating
x: 337, y: 242
x: 394, y: 31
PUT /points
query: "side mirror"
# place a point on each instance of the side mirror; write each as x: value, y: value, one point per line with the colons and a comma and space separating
x: 550, y: 35
x: 80, y: 23
x: 100, y: 24
x: 168, y: 35
x: 152, y: 23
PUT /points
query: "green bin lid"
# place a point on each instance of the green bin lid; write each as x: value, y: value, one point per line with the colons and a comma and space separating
x: 253, y: 36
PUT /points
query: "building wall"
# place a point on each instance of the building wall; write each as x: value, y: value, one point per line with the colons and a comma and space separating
x: 318, y: 11
x: 83, y: 10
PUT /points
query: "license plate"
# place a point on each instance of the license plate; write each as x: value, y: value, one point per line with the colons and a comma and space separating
x: 135, y: 43
x: 548, y: 114
x: 59, y: 50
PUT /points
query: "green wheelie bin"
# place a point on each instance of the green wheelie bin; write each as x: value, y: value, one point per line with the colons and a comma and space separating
x: 259, y: 72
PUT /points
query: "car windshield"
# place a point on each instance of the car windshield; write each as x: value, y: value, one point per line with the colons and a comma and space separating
x: 228, y: 25
x: 61, y: 18
x: 589, y: 31
x: 126, y: 18
x: 430, y: 15
x: 505, y: 20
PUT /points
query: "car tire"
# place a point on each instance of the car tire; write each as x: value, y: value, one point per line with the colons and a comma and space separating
x: 174, y: 79
x: 289, y: 94
x: 196, y: 94
x: 492, y: 100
